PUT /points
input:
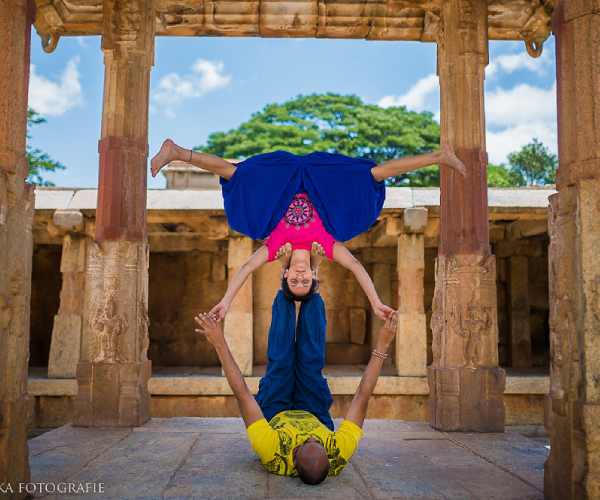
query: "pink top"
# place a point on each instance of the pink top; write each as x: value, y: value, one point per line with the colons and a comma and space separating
x: 301, y: 225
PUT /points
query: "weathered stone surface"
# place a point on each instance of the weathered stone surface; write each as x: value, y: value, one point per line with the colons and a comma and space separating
x: 380, y: 274
x: 181, y: 286
x: 528, y: 21
x: 465, y: 381
x: 358, y: 325
x: 16, y: 243
x: 572, y: 415
x: 520, y: 331
x: 68, y: 220
x: 65, y: 347
x: 239, y: 322
x: 411, y: 340
x: 182, y: 175
x: 114, y: 369
x: 415, y: 219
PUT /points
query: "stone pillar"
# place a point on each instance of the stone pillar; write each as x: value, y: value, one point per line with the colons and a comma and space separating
x: 16, y: 242
x: 520, y: 331
x: 572, y: 470
x: 65, y: 344
x: 466, y: 384
x: 411, y: 339
x: 239, y: 319
x: 114, y: 369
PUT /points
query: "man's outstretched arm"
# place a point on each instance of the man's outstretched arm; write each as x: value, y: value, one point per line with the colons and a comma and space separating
x: 213, y: 331
x: 360, y: 402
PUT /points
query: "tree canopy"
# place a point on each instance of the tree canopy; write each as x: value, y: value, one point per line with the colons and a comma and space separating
x: 39, y: 162
x: 345, y: 124
x: 533, y: 164
x: 335, y: 124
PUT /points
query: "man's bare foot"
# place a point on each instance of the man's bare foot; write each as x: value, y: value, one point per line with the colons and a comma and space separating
x: 449, y: 158
x: 284, y: 254
x: 168, y: 152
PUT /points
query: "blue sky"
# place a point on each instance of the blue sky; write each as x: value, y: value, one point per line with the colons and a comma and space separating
x: 203, y: 85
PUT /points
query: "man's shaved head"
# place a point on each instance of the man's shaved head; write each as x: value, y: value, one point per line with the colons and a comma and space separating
x: 311, y: 461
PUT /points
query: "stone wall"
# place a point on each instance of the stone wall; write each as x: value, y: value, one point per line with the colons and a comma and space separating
x: 182, y: 284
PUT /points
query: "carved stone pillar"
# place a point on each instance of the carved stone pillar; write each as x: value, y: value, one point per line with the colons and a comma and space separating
x: 411, y: 340
x: 572, y: 470
x: 114, y: 367
x: 520, y: 331
x: 16, y: 243
x: 65, y: 344
x: 239, y: 319
x: 466, y: 384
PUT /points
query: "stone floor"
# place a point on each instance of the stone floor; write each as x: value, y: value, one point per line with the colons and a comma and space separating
x: 210, y: 458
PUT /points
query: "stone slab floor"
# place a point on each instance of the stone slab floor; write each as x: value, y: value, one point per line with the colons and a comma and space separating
x: 210, y: 458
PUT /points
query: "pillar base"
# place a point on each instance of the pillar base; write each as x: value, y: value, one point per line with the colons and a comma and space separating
x: 14, y: 460
x: 112, y: 394
x: 466, y: 399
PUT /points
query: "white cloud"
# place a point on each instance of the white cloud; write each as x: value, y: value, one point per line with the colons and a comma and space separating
x: 417, y: 97
x: 521, y: 104
x: 516, y: 116
x: 56, y: 98
x: 205, y: 76
x: 509, y: 63
x: 500, y: 143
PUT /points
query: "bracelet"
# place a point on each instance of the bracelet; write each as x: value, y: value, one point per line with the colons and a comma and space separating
x: 380, y: 355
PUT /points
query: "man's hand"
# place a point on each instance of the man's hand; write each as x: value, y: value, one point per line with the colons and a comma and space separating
x: 211, y: 328
x: 448, y: 158
x: 382, y: 311
x: 220, y: 310
x: 387, y: 333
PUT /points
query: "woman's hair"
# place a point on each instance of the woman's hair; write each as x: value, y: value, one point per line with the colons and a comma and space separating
x: 291, y: 296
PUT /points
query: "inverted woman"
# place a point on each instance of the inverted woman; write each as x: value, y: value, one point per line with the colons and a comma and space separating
x: 296, y: 204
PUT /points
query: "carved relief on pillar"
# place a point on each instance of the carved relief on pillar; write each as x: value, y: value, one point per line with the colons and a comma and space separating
x: 114, y: 370
x: 462, y: 36
x: 116, y: 319
x: 464, y: 319
x: 129, y: 25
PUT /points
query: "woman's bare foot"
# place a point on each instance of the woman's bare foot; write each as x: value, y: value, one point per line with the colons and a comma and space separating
x: 449, y: 158
x: 284, y: 254
x: 169, y: 151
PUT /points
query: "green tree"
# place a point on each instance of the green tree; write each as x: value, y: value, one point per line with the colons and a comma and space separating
x: 501, y: 176
x: 39, y: 162
x: 534, y: 164
x: 337, y: 124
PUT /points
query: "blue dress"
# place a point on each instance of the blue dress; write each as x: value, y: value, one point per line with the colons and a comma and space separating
x: 341, y: 188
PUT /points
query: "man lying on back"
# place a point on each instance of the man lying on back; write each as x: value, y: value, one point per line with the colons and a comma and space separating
x: 298, y: 439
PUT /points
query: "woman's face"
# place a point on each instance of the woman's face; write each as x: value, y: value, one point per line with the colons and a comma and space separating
x: 299, y: 274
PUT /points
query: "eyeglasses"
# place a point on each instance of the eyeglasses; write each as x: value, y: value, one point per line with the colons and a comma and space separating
x: 304, y: 282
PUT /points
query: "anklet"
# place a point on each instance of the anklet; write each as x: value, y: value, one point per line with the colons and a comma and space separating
x: 380, y: 355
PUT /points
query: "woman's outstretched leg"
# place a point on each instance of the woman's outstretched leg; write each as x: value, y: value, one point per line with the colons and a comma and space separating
x: 170, y: 151
x: 401, y: 166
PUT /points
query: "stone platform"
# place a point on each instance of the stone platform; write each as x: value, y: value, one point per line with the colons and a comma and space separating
x: 210, y: 458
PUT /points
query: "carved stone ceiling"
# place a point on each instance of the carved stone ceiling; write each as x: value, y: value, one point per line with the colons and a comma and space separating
x: 527, y: 20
